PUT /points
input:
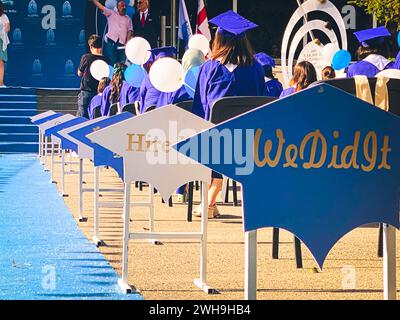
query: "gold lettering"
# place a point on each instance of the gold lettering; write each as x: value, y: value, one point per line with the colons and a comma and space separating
x: 315, y: 136
x: 333, y: 163
x: 291, y: 156
x: 166, y: 146
x: 385, y: 150
x: 370, y: 157
x: 267, y: 150
x: 131, y: 142
x: 353, y: 149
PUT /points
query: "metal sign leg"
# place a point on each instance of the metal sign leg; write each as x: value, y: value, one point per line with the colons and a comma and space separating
x: 389, y: 262
x: 96, y: 237
x: 250, y: 281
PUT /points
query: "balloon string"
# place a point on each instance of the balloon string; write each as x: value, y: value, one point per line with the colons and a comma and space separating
x: 189, y: 86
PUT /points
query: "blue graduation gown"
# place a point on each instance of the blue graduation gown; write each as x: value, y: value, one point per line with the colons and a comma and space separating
x: 273, y: 88
x: 105, y: 101
x: 397, y: 62
x: 95, y: 102
x: 148, y: 94
x: 287, y: 92
x: 216, y: 81
x: 128, y: 94
x: 366, y: 68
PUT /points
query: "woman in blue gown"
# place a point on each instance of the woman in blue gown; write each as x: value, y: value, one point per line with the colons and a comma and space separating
x: 371, y: 54
x: 231, y: 71
x: 96, y: 100
x: 273, y: 88
x: 149, y: 95
x: 304, y: 74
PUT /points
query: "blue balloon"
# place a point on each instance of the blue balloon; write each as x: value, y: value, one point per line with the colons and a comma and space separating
x: 398, y: 38
x: 341, y: 60
x: 134, y: 75
x: 191, y: 80
x: 111, y: 72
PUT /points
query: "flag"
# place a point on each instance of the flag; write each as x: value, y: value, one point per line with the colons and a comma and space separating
x: 202, y: 21
x: 185, y: 30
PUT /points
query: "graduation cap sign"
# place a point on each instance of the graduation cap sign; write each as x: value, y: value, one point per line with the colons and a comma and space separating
x: 145, y: 143
x: 318, y: 163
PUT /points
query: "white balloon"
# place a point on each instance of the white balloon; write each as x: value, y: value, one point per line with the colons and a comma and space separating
x: 198, y: 41
x: 389, y: 73
x: 167, y: 75
x: 99, y: 69
x: 137, y: 50
x: 329, y: 51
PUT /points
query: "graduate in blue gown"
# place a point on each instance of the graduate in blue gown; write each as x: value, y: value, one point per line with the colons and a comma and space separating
x: 397, y: 62
x: 96, y: 100
x: 118, y: 91
x: 371, y: 53
x: 304, y: 75
x: 231, y: 71
x: 150, y: 96
x: 273, y: 88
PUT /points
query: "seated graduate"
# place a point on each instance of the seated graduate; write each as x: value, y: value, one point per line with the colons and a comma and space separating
x: 96, y: 100
x: 371, y: 54
x: 273, y: 88
x: 328, y: 73
x: 119, y: 91
x: 303, y: 76
x: 231, y: 71
x: 150, y: 96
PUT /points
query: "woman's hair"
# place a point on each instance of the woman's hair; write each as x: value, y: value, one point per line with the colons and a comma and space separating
x: 116, y: 82
x: 304, y: 74
x: 103, y: 83
x: 1, y: 8
x: 328, y: 73
x: 235, y: 50
x: 268, y: 72
x: 363, y: 52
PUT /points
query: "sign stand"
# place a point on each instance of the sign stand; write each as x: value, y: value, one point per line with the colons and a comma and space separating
x: 389, y: 262
x: 201, y: 236
x: 250, y: 267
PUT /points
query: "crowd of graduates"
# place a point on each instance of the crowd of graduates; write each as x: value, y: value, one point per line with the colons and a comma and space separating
x: 233, y: 69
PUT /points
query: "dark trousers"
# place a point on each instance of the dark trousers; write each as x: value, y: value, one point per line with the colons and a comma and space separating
x: 113, y: 53
x: 84, y: 98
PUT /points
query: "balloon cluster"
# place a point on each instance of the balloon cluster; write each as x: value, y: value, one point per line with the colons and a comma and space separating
x: 333, y: 56
x: 166, y: 74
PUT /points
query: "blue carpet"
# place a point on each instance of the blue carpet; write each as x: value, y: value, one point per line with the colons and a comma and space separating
x: 43, y: 253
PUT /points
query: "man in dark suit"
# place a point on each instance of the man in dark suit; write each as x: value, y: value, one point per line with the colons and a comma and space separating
x: 145, y: 25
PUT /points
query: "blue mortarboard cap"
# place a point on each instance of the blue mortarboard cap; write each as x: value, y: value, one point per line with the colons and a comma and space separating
x: 232, y: 24
x: 372, y: 36
x: 163, y: 52
x: 265, y: 60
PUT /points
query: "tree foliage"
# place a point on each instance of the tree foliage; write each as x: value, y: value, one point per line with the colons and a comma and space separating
x: 385, y: 11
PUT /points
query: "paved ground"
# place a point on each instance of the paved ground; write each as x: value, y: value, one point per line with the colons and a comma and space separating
x: 351, y: 271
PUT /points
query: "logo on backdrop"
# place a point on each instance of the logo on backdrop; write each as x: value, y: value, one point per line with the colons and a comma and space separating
x: 32, y: 9
x: 50, y: 38
x: 69, y: 68
x: 37, y: 68
x: 17, y: 37
x: 82, y: 37
x: 66, y: 10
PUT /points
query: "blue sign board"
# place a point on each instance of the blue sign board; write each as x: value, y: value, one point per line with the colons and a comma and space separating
x: 318, y: 163
x: 103, y: 156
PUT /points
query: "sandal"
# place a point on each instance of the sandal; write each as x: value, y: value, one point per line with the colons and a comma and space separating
x: 212, y: 212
